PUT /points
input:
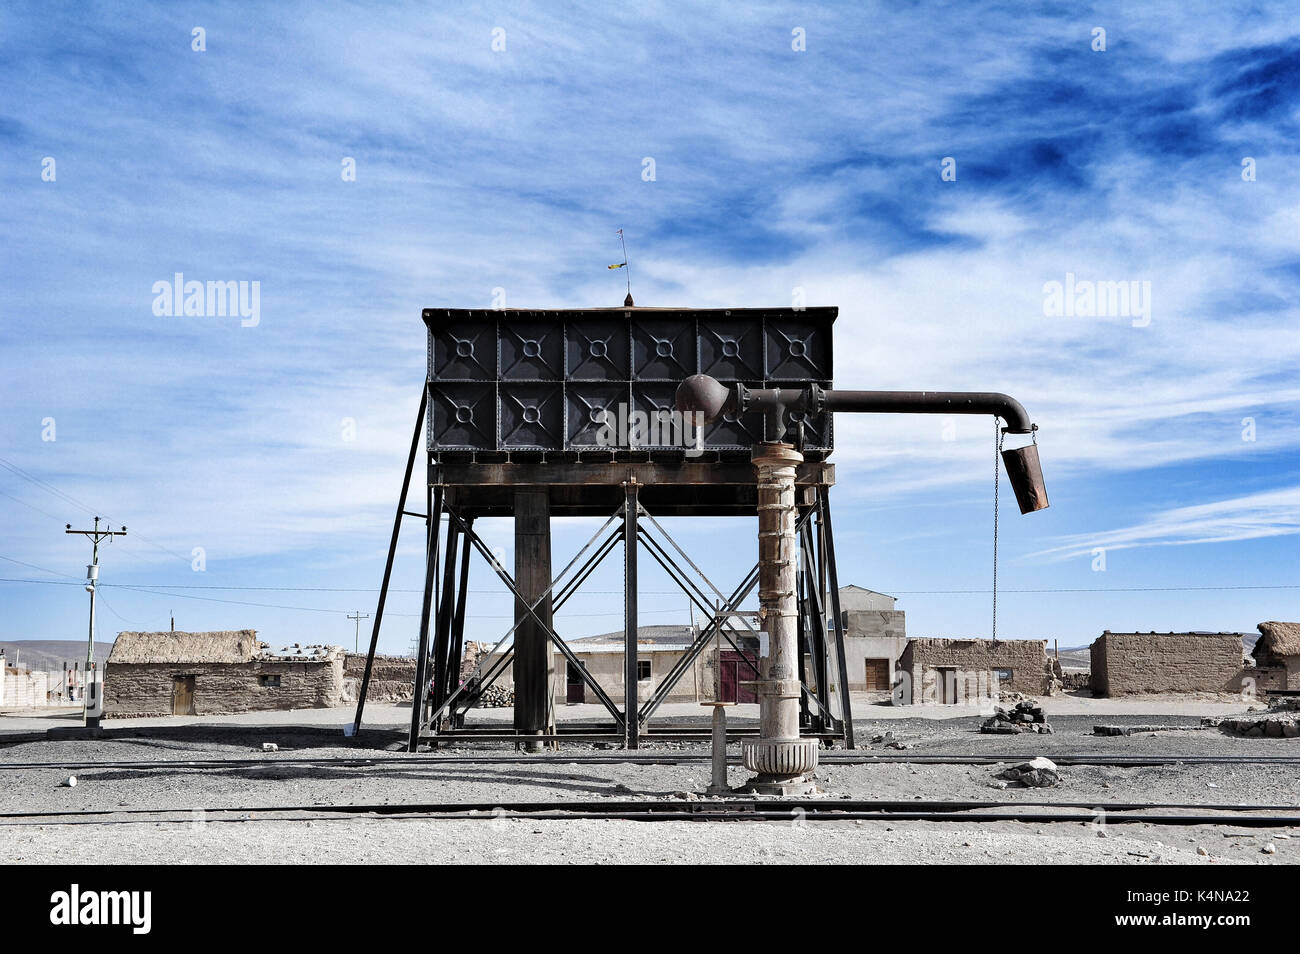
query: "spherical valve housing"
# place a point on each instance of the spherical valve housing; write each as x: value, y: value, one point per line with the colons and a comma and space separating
x: 703, y: 395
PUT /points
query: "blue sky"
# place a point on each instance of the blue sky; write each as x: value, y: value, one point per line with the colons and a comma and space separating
x: 775, y: 169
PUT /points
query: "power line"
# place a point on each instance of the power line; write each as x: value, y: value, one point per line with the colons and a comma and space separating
x: 43, y: 569
x: 1102, y: 589
x: 108, y: 606
x: 894, y: 592
x: 328, y: 589
x: 68, y: 498
x: 47, y: 487
x: 304, y: 609
x: 30, y: 506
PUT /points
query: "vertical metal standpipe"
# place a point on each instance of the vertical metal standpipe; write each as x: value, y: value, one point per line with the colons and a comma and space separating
x: 784, y: 762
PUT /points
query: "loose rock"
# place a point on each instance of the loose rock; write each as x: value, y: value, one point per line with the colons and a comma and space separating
x: 1036, y: 773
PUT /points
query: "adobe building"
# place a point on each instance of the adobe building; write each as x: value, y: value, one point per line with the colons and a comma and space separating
x: 392, y: 678
x: 217, y: 673
x: 1134, y: 663
x: 875, y: 637
x: 953, y: 671
x: 658, y: 649
x: 1277, y: 656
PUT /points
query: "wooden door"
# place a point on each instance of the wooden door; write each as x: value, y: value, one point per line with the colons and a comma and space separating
x: 947, y: 686
x: 574, y: 686
x: 877, y: 675
x: 183, y: 695
x: 726, y: 680
x: 734, y: 671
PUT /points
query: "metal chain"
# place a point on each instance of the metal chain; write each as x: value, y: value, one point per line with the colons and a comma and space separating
x: 997, y: 483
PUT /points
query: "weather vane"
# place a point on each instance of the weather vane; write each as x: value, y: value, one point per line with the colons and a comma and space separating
x: 623, y: 264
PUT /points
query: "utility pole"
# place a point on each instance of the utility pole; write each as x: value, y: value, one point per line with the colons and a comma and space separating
x: 92, y: 579
x: 356, y: 639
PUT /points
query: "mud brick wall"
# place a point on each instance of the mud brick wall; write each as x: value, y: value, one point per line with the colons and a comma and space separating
x: 1256, y: 680
x: 1133, y: 663
x: 392, y: 678
x: 975, y: 660
x: 145, y: 689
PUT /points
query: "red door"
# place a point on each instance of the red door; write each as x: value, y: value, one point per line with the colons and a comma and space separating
x: 733, y: 671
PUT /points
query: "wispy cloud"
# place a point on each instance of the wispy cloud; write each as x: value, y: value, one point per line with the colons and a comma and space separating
x: 1271, y: 514
x: 774, y: 169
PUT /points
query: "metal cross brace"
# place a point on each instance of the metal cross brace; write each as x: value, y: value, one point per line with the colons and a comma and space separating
x: 499, y: 666
x: 532, y: 609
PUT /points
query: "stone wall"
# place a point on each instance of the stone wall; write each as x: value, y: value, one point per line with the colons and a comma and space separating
x: 1292, y: 666
x: 974, y: 662
x: 145, y: 689
x: 1136, y: 663
x: 1253, y: 681
x: 392, y: 678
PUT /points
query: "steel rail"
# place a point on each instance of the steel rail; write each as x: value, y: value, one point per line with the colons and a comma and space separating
x: 740, y: 809
x: 643, y: 758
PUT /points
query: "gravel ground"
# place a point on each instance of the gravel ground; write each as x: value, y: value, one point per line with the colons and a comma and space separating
x: 509, y: 841
x: 270, y: 782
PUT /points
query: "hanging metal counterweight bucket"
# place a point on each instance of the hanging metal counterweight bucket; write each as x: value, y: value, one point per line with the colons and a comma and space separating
x: 1026, y: 476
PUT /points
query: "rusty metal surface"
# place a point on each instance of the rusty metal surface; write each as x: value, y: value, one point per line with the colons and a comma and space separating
x: 1026, y: 476
x: 513, y: 380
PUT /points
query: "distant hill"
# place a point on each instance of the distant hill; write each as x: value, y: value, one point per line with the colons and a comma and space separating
x: 50, y: 654
x: 1079, y: 658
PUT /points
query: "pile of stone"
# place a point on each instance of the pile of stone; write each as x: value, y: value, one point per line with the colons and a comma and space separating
x: 1025, y: 716
x: 1076, y: 680
x: 1144, y: 729
x: 1260, y: 727
x: 496, y: 697
x: 1036, y: 773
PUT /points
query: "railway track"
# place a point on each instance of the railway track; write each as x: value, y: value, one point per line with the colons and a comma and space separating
x: 642, y: 758
x: 706, y: 810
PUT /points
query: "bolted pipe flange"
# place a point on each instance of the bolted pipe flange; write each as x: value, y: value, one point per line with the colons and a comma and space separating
x: 784, y: 758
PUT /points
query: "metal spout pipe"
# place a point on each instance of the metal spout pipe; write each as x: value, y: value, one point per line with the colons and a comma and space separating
x: 703, y: 394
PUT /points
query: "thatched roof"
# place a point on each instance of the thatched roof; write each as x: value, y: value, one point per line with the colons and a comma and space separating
x: 227, y: 646
x: 1279, y: 639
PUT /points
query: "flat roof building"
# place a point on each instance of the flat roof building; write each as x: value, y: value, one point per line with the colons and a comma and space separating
x: 224, y: 672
